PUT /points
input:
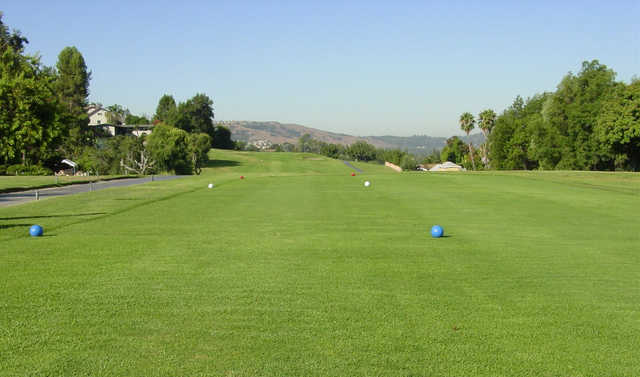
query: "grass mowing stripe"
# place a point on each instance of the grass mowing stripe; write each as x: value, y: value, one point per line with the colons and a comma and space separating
x: 100, y: 216
x: 300, y: 270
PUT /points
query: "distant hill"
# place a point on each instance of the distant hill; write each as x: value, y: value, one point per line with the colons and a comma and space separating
x: 278, y: 133
x: 423, y: 144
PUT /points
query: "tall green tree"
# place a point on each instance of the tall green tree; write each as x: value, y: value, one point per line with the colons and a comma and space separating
x: 573, y: 112
x: 201, y: 113
x: 618, y: 126
x: 11, y: 38
x: 194, y: 116
x: 72, y: 87
x: 486, y: 121
x: 30, y: 122
x: 514, y: 141
x: 222, y: 138
x: 166, y: 107
x: 467, y: 124
x: 199, y: 146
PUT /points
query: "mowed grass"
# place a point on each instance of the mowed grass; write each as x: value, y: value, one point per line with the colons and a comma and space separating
x: 299, y: 270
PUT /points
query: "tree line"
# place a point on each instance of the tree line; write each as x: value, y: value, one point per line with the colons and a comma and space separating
x: 358, y: 151
x: 591, y: 122
x: 43, y: 119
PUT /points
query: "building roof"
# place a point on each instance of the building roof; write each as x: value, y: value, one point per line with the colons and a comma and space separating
x: 92, y: 109
x: 447, y: 166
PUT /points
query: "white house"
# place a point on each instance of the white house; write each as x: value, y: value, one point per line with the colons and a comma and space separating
x: 99, y: 118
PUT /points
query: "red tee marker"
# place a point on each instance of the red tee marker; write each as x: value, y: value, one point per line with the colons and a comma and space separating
x: 242, y: 177
x: 353, y: 174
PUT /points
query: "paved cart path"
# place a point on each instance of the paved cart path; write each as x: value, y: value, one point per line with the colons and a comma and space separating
x: 19, y: 197
x: 352, y: 167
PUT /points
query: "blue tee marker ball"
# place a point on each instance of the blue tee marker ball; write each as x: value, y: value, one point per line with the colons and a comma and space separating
x: 437, y: 231
x: 35, y: 231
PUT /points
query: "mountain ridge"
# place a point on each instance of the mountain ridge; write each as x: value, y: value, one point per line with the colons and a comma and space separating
x: 277, y: 133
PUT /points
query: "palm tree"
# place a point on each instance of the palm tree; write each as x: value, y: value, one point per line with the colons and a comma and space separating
x: 467, y: 123
x: 486, y: 120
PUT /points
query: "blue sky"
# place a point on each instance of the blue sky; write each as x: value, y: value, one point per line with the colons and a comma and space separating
x: 359, y: 67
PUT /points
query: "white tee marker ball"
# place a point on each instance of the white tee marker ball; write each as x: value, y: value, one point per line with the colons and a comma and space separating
x: 210, y: 185
x: 367, y: 183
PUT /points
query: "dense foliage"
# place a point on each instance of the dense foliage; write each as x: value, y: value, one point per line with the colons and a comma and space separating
x: 591, y: 122
x: 358, y: 151
x: 193, y: 116
x: 31, y: 115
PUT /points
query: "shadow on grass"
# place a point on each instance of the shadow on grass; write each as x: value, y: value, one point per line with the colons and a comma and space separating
x: 7, y: 226
x: 50, y: 216
x: 220, y: 163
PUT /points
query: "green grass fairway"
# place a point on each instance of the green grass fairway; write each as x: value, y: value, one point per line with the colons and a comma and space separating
x: 298, y: 270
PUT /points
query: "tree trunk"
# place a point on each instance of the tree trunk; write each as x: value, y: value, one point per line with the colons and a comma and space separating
x: 485, y: 155
x: 473, y: 161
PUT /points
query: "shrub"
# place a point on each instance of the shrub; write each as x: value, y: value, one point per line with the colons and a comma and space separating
x: 40, y: 170
x: 169, y: 147
x: 17, y: 169
x: 408, y: 162
x: 91, y: 161
x: 20, y: 169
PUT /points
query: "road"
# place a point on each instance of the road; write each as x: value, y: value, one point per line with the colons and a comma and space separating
x: 352, y: 167
x: 13, y: 198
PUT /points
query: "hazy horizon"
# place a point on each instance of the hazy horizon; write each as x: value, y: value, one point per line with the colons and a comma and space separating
x: 362, y: 68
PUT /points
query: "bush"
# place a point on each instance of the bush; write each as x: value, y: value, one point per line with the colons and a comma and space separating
x: 361, y: 151
x: 90, y: 161
x: 169, y: 147
x: 3, y: 169
x: 20, y: 169
x: 408, y: 162
x: 182, y: 167
x: 199, y: 145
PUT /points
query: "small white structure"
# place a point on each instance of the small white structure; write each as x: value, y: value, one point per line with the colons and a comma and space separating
x: 71, y: 171
x: 447, y: 166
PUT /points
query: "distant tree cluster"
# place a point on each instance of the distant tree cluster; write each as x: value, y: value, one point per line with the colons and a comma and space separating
x: 358, y: 151
x: 591, y: 122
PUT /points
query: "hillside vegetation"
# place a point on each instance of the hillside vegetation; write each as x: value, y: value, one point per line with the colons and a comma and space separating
x: 280, y: 133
